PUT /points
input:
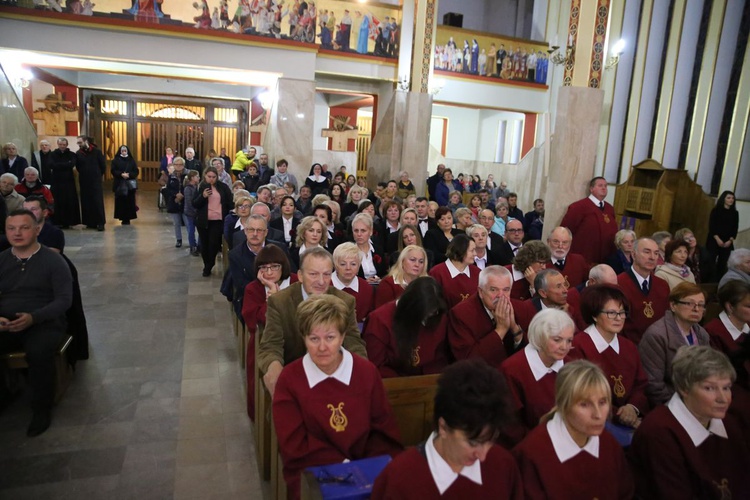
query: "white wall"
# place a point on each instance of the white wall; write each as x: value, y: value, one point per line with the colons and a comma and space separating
x: 463, y: 131
x: 321, y: 121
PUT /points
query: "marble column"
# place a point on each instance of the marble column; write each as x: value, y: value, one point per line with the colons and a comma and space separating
x: 573, y: 151
x: 291, y: 127
x: 402, y: 140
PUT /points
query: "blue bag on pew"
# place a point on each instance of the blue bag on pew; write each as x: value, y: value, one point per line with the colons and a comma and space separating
x: 350, y: 480
x: 622, y: 433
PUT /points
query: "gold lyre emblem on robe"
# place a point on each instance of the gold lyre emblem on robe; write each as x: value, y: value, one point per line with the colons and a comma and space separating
x: 415, y: 356
x: 464, y: 296
x: 338, y: 420
x: 723, y: 487
x: 606, y: 218
x: 619, y: 388
x: 567, y: 283
x: 648, y: 310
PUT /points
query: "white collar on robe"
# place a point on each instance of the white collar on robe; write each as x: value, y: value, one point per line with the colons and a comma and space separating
x: 599, y: 342
x: 517, y: 274
x: 733, y: 331
x: 442, y: 473
x: 454, y: 271
x: 537, y: 366
x: 695, y: 429
x: 562, y: 441
x: 595, y: 201
x: 315, y: 375
x: 336, y: 282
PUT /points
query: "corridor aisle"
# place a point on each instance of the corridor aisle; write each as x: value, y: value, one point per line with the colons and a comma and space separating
x: 158, y: 411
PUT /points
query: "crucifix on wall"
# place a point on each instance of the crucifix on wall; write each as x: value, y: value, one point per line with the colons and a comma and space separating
x: 54, y: 114
x: 340, y: 133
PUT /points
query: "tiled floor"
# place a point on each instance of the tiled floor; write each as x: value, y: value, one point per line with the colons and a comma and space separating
x: 158, y: 410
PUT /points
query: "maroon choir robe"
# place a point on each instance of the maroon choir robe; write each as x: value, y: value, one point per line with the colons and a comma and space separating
x: 387, y: 291
x: 624, y: 371
x: 533, y: 398
x: 575, y: 270
x: 644, y: 309
x: 429, y: 356
x: 332, y: 421
x: 409, y: 477
x: 593, y: 230
x: 365, y: 298
x: 583, y: 476
x: 254, y: 313
x: 667, y: 464
x: 458, y: 289
x: 472, y: 335
x: 720, y: 338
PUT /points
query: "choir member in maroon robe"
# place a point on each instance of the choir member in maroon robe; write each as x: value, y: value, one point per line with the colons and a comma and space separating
x: 691, y: 447
x: 730, y: 330
x: 605, y: 308
x: 677, y: 328
x: 484, y: 325
x: 570, y: 455
x: 573, y: 266
x: 531, y: 374
x: 346, y: 262
x: 273, y: 274
x: 460, y: 460
x: 552, y: 293
x: 408, y: 336
x: 530, y: 259
x: 329, y: 405
x: 458, y: 276
x: 410, y: 265
x: 647, y: 294
x: 593, y: 224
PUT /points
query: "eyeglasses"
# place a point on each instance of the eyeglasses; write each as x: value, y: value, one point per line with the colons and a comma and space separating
x: 254, y: 230
x: 692, y: 305
x: 269, y: 268
x: 615, y: 314
x: 514, y: 230
x: 245, y: 207
x: 560, y: 243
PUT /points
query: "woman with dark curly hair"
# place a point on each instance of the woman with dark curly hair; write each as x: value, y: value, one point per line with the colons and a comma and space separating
x: 530, y: 259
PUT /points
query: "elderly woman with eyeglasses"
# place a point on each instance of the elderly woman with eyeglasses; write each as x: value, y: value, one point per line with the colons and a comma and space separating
x: 236, y: 219
x: 604, y: 308
x: 679, y: 327
x: 273, y: 274
x: 692, y: 447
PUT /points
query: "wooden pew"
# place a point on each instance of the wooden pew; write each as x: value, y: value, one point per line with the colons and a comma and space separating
x: 713, y: 307
x: 63, y: 371
x: 263, y: 420
x: 413, y: 402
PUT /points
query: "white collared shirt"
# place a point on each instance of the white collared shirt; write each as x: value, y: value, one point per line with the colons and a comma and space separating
x: 392, y: 229
x: 641, y: 279
x: 514, y: 248
x: 733, y: 331
x: 368, y: 266
x: 692, y: 426
x: 336, y: 281
x: 481, y: 262
x: 538, y: 369
x: 517, y: 275
x: 287, y: 229
x: 599, y: 342
x: 315, y: 375
x: 424, y: 225
x: 441, y: 471
x: 595, y: 200
x: 454, y: 271
x: 562, y: 441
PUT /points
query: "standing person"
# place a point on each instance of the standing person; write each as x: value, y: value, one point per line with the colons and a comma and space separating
x: 460, y: 459
x: 570, y: 455
x: 593, y: 224
x: 174, y: 195
x: 282, y: 176
x: 213, y: 201
x: 36, y: 289
x: 124, y: 174
x: 722, y: 230
x: 91, y: 166
x: 166, y: 160
x: 434, y: 180
x: 190, y: 188
x: 191, y: 162
x: 41, y: 160
x: 63, y: 185
x: 12, y: 162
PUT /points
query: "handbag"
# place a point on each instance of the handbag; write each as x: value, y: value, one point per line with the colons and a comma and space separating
x: 122, y: 189
x: 132, y: 184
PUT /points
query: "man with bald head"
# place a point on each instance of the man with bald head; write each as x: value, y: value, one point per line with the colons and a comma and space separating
x: 648, y: 294
x: 600, y: 274
x: 572, y: 265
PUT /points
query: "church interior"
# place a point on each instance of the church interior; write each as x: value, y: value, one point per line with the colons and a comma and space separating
x: 652, y: 95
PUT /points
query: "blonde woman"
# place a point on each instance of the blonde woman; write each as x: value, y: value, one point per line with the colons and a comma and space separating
x: 411, y: 264
x: 569, y: 455
x: 310, y: 233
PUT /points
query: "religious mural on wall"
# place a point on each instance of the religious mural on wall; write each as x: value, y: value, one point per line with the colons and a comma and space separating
x: 484, y: 54
x: 346, y: 26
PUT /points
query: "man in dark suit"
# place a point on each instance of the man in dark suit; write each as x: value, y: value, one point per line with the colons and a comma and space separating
x: 424, y: 222
x: 494, y: 241
x: 484, y: 257
x: 242, y: 258
x: 551, y: 294
x: 273, y: 234
x: 281, y: 342
x: 434, y: 180
x: 514, y: 241
x: 264, y: 170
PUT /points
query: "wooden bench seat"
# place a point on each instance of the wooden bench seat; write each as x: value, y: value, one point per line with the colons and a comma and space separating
x: 63, y: 371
